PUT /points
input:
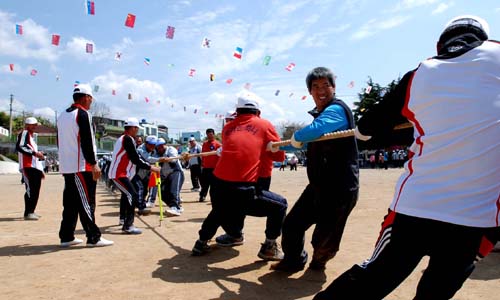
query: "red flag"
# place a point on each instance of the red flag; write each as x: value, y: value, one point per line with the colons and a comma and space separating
x: 33, y: 72
x: 192, y: 72
x: 55, y: 39
x: 290, y: 67
x: 170, y: 32
x: 229, y: 80
x: 11, y: 67
x: 89, y: 48
x: 368, y: 89
x: 146, y: 99
x: 152, y: 180
x: 304, y: 97
x: 130, y: 21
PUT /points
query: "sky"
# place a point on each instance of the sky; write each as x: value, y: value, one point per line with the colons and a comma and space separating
x: 356, y: 39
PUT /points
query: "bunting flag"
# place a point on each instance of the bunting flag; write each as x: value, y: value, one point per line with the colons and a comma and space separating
x: 304, y: 97
x: 290, y: 67
x: 206, y: 112
x: 113, y: 92
x: 152, y: 180
x: 195, y: 110
x: 11, y: 67
x: 277, y: 93
x: 55, y: 39
x: 76, y: 83
x: 184, y: 108
x: 290, y: 96
x: 267, y: 60
x: 147, y: 61
x: 33, y: 72
x: 238, y: 52
x: 90, y: 7
x: 170, y: 65
x: 146, y: 99
x: 351, y: 84
x: 130, y: 21
x: 205, y: 43
x: 89, y: 48
x: 19, y: 29
x: 368, y: 89
x: 129, y: 96
x: 212, y: 77
x: 158, y: 101
x: 96, y: 88
x: 192, y: 72
x: 247, y: 86
x: 229, y: 80
x: 57, y: 77
x: 170, y: 32
x: 118, y: 56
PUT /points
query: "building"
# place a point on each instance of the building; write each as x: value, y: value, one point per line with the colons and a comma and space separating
x: 186, y: 135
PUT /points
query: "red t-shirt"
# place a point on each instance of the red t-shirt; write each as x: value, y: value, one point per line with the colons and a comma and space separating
x: 244, y: 140
x: 266, y: 162
x: 210, y: 161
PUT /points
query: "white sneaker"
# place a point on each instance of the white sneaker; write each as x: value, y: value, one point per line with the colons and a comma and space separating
x: 101, y: 243
x: 121, y: 222
x: 32, y: 217
x: 173, y: 212
x: 75, y: 241
x: 181, y: 209
x: 150, y: 205
x: 132, y: 230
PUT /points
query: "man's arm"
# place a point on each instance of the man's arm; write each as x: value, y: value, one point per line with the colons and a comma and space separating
x: 86, y: 137
x: 135, y: 158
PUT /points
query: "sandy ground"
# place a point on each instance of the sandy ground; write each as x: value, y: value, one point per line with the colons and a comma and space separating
x: 158, y: 265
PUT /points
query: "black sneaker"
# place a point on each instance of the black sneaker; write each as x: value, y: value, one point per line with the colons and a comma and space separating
x: 226, y: 240
x: 317, y: 265
x: 200, y: 248
x: 202, y: 199
x: 270, y: 251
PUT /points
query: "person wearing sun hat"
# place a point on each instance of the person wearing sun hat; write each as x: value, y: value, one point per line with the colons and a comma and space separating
x: 446, y: 203
x: 31, y: 167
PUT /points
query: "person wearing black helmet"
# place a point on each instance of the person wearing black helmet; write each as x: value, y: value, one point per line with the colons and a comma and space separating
x: 445, y: 204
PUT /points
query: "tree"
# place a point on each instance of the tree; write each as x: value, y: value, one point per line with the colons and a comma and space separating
x: 4, y: 119
x: 287, y: 128
x: 99, y: 109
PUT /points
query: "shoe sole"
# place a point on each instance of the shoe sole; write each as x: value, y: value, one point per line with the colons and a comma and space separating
x: 169, y: 214
x: 232, y: 244
x: 270, y: 258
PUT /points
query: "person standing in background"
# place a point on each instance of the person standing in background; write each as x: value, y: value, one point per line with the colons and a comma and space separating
x: 208, y: 163
x: 30, y: 164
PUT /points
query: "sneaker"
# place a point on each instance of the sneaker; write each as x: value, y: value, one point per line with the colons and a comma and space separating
x: 286, y: 266
x: 31, y: 217
x: 270, y: 251
x: 102, y: 242
x: 181, y: 209
x: 202, y: 199
x: 195, y: 189
x: 121, y: 222
x: 226, y: 240
x: 200, y: 248
x: 75, y: 241
x: 173, y: 212
x: 144, y: 212
x: 150, y: 205
x: 132, y: 230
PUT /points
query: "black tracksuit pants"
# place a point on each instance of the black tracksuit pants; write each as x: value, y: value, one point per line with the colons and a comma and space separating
x: 32, y: 181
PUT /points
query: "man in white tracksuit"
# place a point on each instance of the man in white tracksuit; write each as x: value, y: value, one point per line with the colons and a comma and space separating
x: 447, y: 200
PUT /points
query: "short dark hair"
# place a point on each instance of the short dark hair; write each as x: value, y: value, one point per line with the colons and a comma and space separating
x: 317, y: 73
x: 246, y: 110
x: 209, y: 130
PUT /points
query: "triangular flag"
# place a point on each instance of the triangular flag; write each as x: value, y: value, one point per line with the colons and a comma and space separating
x: 130, y: 21
x: 147, y: 61
x: 152, y: 180
x: 55, y: 39
x: 76, y: 83
x: 11, y: 67
x: 146, y: 99
x: 192, y: 72
x: 229, y: 80
x: 238, y: 52
x: 33, y: 72
x: 304, y: 97
x: 170, y: 32
x: 118, y: 56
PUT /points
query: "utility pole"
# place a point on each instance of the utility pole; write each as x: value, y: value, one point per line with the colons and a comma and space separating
x: 10, y: 116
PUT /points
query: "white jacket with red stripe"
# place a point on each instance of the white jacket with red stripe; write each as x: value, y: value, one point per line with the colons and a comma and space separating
x: 26, y: 148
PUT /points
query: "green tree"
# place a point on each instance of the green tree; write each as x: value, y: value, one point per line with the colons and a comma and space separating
x: 4, y: 119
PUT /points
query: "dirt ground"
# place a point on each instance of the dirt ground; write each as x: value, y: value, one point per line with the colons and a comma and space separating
x: 158, y: 264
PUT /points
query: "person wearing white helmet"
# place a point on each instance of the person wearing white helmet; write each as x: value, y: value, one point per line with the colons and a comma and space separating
x: 30, y: 164
x: 124, y: 162
x: 78, y: 164
x: 446, y: 203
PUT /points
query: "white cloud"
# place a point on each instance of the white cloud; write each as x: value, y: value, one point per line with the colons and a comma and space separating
x: 375, y: 26
x: 411, y: 4
x: 319, y: 39
x: 46, y: 112
x: 35, y: 42
x: 442, y: 7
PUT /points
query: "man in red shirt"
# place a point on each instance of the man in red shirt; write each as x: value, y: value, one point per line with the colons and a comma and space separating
x: 234, y: 190
x: 208, y: 163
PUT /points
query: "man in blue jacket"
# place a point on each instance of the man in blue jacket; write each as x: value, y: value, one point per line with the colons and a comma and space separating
x: 332, y: 170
